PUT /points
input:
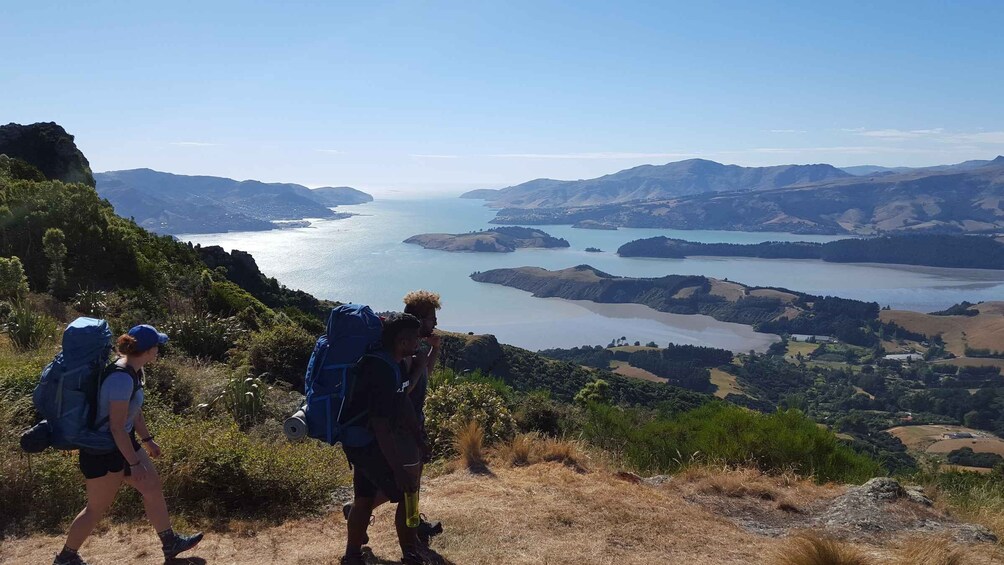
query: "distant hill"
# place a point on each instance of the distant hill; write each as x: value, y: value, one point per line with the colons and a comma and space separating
x: 655, y: 182
x: 951, y: 201
x: 48, y: 148
x: 169, y: 203
x: 865, y: 170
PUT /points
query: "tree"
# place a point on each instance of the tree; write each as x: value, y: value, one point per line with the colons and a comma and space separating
x: 597, y: 391
x: 13, y: 282
x: 54, y: 246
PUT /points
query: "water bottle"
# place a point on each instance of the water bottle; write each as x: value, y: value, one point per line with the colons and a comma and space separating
x: 411, y: 509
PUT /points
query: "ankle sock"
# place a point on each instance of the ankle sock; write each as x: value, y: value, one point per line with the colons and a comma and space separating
x: 67, y: 552
x: 167, y: 536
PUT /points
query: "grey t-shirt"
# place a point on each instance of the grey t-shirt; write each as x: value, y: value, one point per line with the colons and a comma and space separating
x: 118, y: 387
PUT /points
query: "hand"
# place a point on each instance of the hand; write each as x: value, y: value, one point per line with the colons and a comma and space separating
x: 405, y: 481
x: 153, y: 449
x: 139, y: 473
x: 434, y: 341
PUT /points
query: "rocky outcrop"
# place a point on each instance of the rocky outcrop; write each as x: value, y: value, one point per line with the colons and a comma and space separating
x: 47, y: 147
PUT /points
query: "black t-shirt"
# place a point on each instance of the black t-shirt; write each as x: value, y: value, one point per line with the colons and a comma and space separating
x: 379, y: 392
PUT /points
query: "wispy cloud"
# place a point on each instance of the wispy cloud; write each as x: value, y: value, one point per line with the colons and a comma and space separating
x: 600, y: 155
x: 937, y: 135
x: 786, y: 131
x: 432, y: 156
x: 193, y: 144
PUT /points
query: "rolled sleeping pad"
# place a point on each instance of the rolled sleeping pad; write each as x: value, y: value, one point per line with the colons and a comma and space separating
x: 295, y: 427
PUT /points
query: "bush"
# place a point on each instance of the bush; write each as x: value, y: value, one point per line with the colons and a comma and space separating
x: 164, y: 384
x: 244, y: 399
x: 453, y: 405
x: 13, y: 283
x: 211, y: 469
x: 40, y: 492
x: 280, y: 352
x: 28, y: 328
x: 724, y: 434
x: 91, y: 303
x: 204, y: 336
x: 536, y: 412
x: 227, y: 299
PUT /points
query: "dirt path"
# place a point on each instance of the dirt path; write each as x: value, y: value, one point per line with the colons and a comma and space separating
x: 543, y: 514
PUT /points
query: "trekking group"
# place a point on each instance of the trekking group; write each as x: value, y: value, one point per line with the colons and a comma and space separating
x: 365, y: 389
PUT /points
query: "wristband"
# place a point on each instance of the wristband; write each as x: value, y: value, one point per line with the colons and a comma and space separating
x: 147, y: 439
x: 135, y: 464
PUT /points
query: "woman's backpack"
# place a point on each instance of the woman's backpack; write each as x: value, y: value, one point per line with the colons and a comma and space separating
x: 67, y: 392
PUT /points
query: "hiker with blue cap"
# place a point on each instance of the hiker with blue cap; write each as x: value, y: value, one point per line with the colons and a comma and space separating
x: 120, y: 412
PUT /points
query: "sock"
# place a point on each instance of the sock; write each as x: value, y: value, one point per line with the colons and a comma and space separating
x: 67, y: 552
x: 167, y: 536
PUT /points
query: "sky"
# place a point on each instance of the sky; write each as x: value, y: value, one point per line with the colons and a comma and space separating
x: 412, y: 97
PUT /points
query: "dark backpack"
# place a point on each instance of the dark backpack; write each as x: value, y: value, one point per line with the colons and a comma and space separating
x: 66, y: 394
x: 353, y: 332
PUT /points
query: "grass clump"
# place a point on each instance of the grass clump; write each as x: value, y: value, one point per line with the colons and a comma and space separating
x: 450, y: 407
x: 27, y: 327
x: 469, y: 443
x: 811, y: 549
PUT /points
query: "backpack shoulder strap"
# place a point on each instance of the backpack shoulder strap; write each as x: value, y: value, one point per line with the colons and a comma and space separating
x: 383, y: 357
x: 114, y: 367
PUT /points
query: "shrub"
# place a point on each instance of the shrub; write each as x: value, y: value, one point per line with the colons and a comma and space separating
x: 211, y: 469
x: 164, y: 384
x: 244, y: 399
x: 281, y: 352
x: 228, y: 299
x: 536, y: 412
x: 28, y: 328
x: 720, y: 433
x: 453, y: 405
x: 40, y: 492
x: 204, y: 336
x: 13, y: 282
x: 91, y: 303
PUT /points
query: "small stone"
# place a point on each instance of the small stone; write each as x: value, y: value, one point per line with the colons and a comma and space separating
x: 972, y: 533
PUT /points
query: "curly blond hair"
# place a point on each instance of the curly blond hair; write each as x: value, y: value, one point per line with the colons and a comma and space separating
x: 421, y: 302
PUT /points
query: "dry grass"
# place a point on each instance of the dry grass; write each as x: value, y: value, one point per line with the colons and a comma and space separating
x: 985, y: 331
x: 531, y: 448
x: 625, y: 369
x: 930, y: 551
x: 726, y: 384
x: 811, y: 549
x: 469, y: 443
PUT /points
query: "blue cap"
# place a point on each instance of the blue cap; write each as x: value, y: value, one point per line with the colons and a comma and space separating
x: 147, y: 336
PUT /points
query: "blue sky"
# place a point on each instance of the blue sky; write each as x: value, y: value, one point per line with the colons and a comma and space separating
x: 442, y: 96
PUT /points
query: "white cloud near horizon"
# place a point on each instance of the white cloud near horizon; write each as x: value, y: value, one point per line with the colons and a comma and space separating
x: 599, y: 155
x: 787, y: 131
x: 432, y: 156
x: 938, y: 135
x: 193, y: 144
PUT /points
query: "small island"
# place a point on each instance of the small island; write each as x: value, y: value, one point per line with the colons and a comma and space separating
x: 593, y: 250
x: 497, y: 240
x: 594, y: 225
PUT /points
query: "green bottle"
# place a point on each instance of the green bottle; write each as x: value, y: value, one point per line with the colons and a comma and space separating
x: 411, y: 509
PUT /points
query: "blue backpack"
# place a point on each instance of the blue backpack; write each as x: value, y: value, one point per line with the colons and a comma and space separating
x: 353, y: 332
x: 66, y: 395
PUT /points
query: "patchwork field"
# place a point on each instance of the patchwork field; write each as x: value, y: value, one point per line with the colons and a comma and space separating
x: 623, y: 368
x: 984, y: 331
x: 725, y: 382
x: 932, y: 439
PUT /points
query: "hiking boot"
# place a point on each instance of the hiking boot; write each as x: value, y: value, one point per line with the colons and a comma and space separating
x: 179, y: 544
x: 67, y: 559
x: 413, y: 558
x: 353, y: 560
x: 346, y: 508
x: 428, y: 530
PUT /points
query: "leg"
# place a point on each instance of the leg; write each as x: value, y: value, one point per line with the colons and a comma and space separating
x: 406, y: 537
x: 359, y: 520
x: 153, y: 495
x: 100, y: 495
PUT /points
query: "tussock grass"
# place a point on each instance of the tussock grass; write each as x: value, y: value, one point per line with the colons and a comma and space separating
x: 811, y: 549
x: 930, y: 551
x: 469, y: 444
x: 532, y: 448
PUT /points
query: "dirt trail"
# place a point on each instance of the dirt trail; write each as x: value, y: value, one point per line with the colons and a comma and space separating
x: 542, y: 514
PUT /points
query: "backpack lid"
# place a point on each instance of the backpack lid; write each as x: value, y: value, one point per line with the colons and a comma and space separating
x: 86, y: 339
x: 353, y: 320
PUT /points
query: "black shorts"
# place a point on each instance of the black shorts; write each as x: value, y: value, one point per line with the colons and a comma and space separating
x: 95, y: 466
x: 371, y: 473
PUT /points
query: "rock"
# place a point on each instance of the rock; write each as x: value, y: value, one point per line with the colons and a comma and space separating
x: 658, y: 480
x: 972, y: 533
x: 881, y: 488
x: 629, y: 477
x: 916, y: 495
